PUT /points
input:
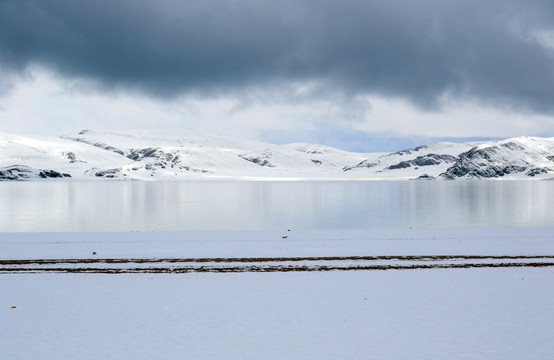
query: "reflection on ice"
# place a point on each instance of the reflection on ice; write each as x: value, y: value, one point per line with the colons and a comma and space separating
x: 245, y: 205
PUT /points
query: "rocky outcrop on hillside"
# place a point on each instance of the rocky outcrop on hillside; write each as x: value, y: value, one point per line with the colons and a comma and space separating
x: 22, y: 172
x: 527, y: 157
x: 424, y: 160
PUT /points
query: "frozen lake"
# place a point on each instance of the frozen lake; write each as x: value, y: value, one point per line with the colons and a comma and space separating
x: 267, y: 205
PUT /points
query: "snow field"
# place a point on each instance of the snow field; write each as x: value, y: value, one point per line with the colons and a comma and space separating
x: 416, y: 314
x: 514, y: 241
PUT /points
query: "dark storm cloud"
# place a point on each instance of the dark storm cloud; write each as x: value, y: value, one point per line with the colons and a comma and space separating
x: 415, y: 49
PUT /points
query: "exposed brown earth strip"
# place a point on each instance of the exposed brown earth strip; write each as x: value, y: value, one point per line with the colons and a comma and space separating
x: 238, y: 269
x: 282, y: 264
x: 266, y: 259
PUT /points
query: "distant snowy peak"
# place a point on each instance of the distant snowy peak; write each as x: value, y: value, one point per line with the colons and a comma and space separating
x: 166, y: 155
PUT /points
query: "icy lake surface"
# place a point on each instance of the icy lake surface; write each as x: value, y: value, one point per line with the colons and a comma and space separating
x: 266, y: 205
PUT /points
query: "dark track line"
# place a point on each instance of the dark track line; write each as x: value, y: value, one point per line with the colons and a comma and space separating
x: 267, y: 259
x: 271, y: 268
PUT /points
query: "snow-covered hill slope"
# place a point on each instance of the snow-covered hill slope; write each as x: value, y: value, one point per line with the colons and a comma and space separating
x: 166, y: 155
x: 23, y: 158
x: 178, y: 154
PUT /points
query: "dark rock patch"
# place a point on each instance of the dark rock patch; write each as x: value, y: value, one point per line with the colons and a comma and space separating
x: 536, y: 171
x: 100, y: 145
x: 109, y: 148
x: 425, y: 177
x: 262, y: 160
x: 157, y: 153
x: 189, y: 169
x: 142, y: 153
x: 365, y: 164
x: 109, y: 173
x: 15, y: 172
x: 424, y: 160
x: 22, y: 172
x: 72, y: 158
x: 409, y: 151
x: 51, y: 174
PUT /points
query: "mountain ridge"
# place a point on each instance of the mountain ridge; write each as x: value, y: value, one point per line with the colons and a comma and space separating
x: 180, y: 155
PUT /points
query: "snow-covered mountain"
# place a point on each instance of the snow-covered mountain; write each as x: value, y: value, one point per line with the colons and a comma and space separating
x: 166, y: 155
x: 522, y: 156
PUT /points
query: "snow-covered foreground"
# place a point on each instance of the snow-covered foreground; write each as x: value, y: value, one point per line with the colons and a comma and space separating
x: 462, y: 313
x: 415, y: 314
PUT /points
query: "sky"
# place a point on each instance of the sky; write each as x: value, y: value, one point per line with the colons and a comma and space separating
x: 373, y: 75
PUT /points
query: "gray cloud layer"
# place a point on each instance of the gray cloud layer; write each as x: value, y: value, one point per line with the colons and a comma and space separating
x: 415, y: 49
